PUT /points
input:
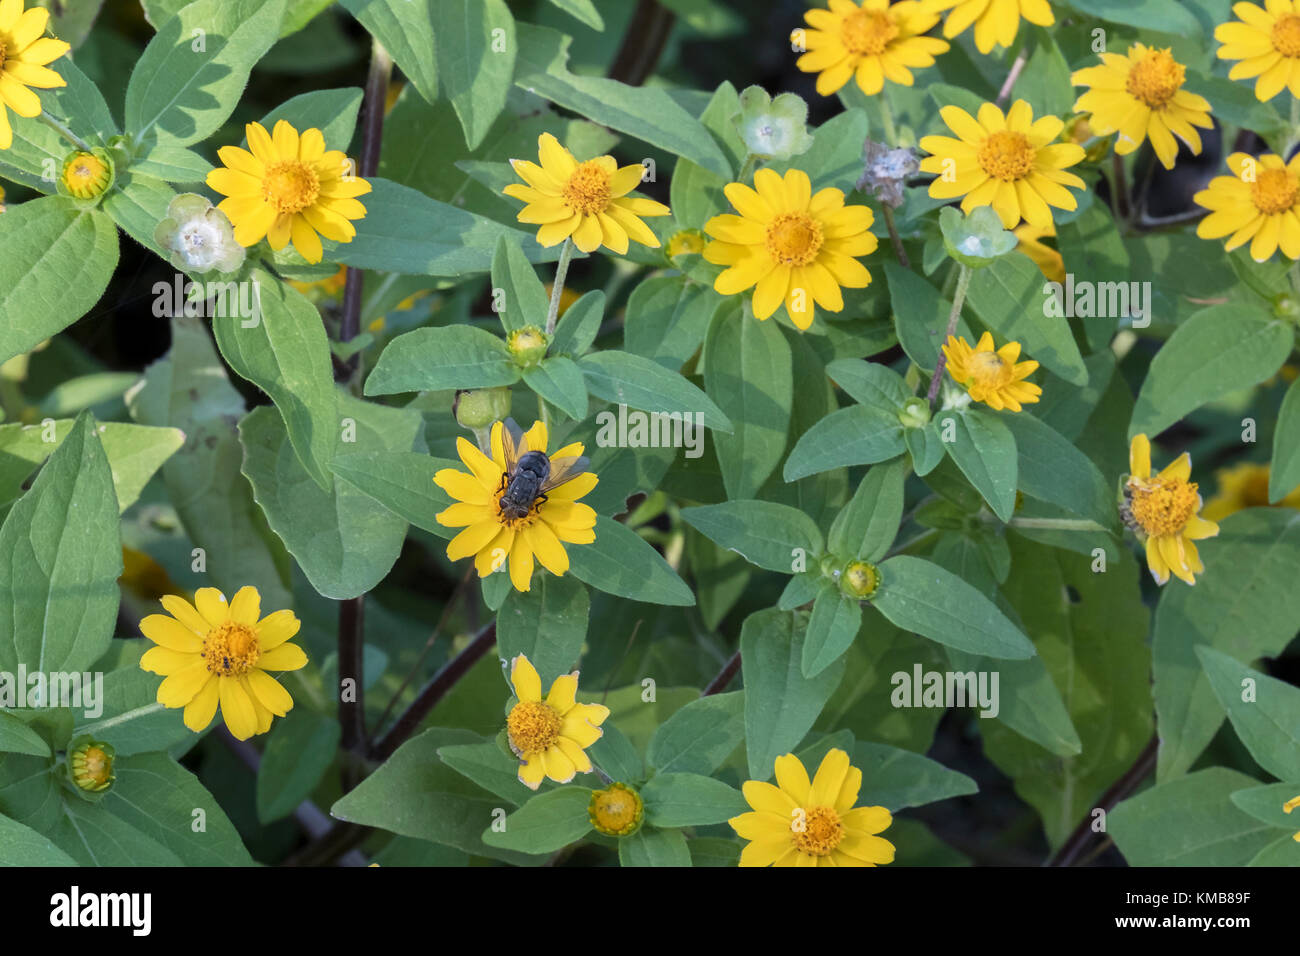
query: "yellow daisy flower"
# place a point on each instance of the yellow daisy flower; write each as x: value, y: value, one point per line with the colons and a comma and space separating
x: 1267, y: 42
x: 1162, y: 510
x: 25, y: 52
x: 802, y: 823
x: 288, y: 188
x: 587, y: 201
x: 1260, y: 202
x: 791, y: 245
x: 992, y: 377
x: 1244, y: 486
x: 494, y: 536
x: 1049, y: 260
x: 550, y: 736
x: 871, y: 42
x: 996, y: 21
x: 1140, y: 94
x: 212, y: 652
x: 1009, y: 162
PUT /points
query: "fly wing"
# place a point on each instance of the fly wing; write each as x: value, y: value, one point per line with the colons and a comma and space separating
x: 565, y: 469
x: 513, y: 444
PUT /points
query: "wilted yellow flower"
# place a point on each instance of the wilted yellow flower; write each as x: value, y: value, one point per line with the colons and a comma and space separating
x: 587, y: 201
x: 992, y: 377
x: 25, y: 52
x: 1140, y: 94
x: 1162, y: 510
x: 550, y: 736
x: 802, y: 823
x: 871, y: 42
x: 212, y: 652
x: 1008, y: 162
x: 792, y: 246
x: 996, y: 21
x: 288, y: 188
x: 1267, y: 42
x: 1241, y: 486
x: 495, y: 535
x: 1259, y: 203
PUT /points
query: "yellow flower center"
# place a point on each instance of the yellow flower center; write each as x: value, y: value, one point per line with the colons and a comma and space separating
x: 794, y: 238
x: 616, y: 811
x: 861, y: 579
x: 1285, y: 35
x: 817, y: 831
x: 533, y: 725
x: 95, y: 766
x: 866, y: 33
x: 85, y: 175
x: 587, y: 190
x: 1274, y: 191
x: 231, y: 649
x: 987, y: 369
x: 290, y: 186
x: 1155, y: 78
x: 1006, y: 155
x: 1161, y: 506
x: 3, y: 50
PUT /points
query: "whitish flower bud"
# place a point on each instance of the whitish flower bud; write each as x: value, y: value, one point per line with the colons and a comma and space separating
x: 773, y: 128
x: 198, y: 237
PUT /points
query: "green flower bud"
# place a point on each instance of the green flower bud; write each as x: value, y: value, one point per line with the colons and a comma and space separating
x: 528, y: 345
x: 198, y: 237
x: 86, y: 175
x: 859, y: 580
x: 915, y: 413
x: 977, y: 239
x: 616, y: 811
x: 90, y: 766
x: 479, y: 407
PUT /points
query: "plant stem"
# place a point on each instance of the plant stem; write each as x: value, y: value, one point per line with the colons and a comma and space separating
x: 1118, y: 188
x: 1120, y: 789
x: 63, y: 131
x: 557, y: 290
x: 1019, y: 64
x: 376, y: 98
x: 1056, y: 524
x: 434, y: 691
x: 352, y: 616
x: 643, y: 43
x: 893, y: 235
x: 963, y: 281
x: 725, y: 676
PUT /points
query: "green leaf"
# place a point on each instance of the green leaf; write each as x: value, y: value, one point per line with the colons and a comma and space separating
x: 868, y: 524
x: 577, y: 328
x: 584, y: 10
x: 17, y: 738
x: 333, y: 112
x: 1089, y: 629
x: 925, y: 446
x: 668, y: 317
x: 870, y: 383
x: 1284, y: 476
x: 649, y: 847
x: 1008, y: 298
x: 558, y: 380
x: 615, y: 755
x: 181, y: 92
x: 342, y: 539
x: 920, y: 315
x: 747, y: 369
x: 781, y: 705
x: 1266, y: 717
x: 1281, y: 852
x: 857, y: 435
x: 132, y: 719
x: 699, y: 737
x: 406, y: 30
x: 922, y: 597
x: 1052, y: 469
x: 620, y: 562
x: 415, y: 794
x: 453, y: 356
x: 548, y: 624
x: 688, y: 800
x: 283, y: 350
x: 299, y: 750
x: 519, y: 297
x: 172, y: 164
x: 1265, y: 803
x: 58, y: 259
x: 896, y: 779
x: 491, y: 768
x: 1171, y: 16
x: 985, y: 451
x: 637, y: 382
x: 405, y: 231
x: 1217, y: 351
x: 189, y: 390
x: 402, y: 482
x: 60, y: 557
x: 1189, y: 822
x: 646, y: 112
x: 695, y: 193
x: 770, y: 535
x: 25, y: 847
x: 546, y: 823
x: 1245, y: 605
x: 831, y: 629
x: 474, y: 42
